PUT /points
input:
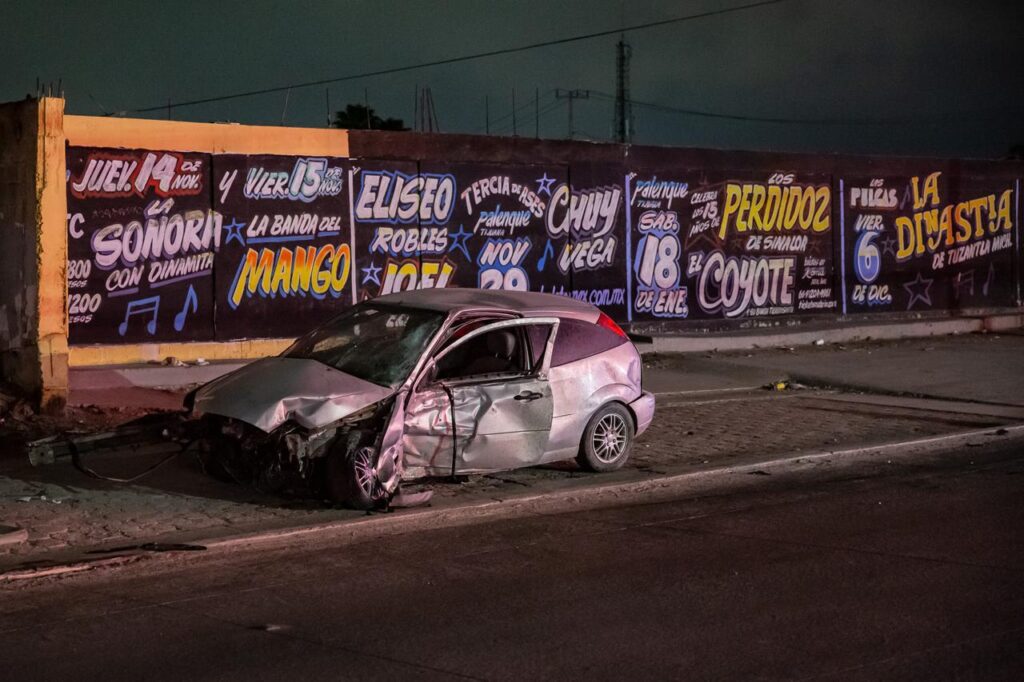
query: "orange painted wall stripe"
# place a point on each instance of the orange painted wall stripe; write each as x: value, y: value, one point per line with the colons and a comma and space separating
x: 214, y: 138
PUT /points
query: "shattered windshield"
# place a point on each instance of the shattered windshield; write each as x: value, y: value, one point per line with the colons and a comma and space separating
x: 380, y: 344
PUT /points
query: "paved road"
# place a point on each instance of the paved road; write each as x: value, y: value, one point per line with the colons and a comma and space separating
x: 908, y: 570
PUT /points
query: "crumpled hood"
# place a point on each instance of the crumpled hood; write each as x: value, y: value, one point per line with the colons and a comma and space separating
x: 269, y: 392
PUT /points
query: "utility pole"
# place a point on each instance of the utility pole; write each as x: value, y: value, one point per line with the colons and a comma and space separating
x: 284, y: 110
x: 427, y: 122
x: 536, y: 113
x: 623, y: 109
x: 572, y: 95
x: 515, y: 129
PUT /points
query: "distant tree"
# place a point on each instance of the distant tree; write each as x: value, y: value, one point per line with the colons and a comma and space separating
x: 1016, y: 153
x: 360, y: 117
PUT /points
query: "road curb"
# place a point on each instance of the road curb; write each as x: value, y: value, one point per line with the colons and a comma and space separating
x: 567, y: 499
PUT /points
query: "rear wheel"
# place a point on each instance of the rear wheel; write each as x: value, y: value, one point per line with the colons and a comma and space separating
x: 607, y: 439
x: 351, y: 479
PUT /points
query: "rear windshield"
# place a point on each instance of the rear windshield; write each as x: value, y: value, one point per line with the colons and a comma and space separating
x: 577, y: 340
x: 380, y: 344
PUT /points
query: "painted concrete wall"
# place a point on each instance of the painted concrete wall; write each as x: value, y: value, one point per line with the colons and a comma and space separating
x: 34, y: 137
x: 216, y: 138
x: 33, y: 250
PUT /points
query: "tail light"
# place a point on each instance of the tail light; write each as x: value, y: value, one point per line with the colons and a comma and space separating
x: 609, y: 324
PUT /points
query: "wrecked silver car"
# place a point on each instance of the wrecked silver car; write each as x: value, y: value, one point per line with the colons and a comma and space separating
x: 435, y: 382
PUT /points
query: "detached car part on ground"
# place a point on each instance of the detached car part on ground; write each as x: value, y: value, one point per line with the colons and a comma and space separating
x: 435, y: 382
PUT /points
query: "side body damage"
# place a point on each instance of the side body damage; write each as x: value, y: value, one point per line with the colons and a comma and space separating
x: 481, y: 394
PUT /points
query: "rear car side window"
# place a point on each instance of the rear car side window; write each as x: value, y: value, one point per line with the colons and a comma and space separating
x: 577, y: 340
x: 537, y: 334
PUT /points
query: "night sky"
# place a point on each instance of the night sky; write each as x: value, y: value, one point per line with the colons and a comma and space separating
x: 918, y: 77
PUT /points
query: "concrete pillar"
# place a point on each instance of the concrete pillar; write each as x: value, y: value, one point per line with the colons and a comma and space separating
x: 33, y: 250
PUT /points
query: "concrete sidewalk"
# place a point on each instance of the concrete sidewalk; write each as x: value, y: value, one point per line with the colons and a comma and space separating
x: 976, y: 367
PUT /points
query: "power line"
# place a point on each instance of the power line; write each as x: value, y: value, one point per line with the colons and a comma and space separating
x: 544, y: 111
x: 572, y: 95
x: 503, y: 117
x: 463, y: 58
x: 807, y: 121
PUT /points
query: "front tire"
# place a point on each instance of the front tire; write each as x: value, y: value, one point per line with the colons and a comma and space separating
x: 607, y: 439
x: 351, y: 479
x: 219, y: 457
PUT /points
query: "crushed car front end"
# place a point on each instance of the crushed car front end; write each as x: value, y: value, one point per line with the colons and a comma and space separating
x: 322, y: 412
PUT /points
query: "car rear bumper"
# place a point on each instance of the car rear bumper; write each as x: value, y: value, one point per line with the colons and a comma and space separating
x: 643, y: 408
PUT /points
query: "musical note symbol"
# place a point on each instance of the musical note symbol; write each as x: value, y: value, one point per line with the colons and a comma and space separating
x: 141, y: 307
x: 962, y: 280
x: 548, y: 251
x: 988, y: 280
x: 190, y: 299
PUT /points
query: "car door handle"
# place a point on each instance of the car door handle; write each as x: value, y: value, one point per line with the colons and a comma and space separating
x: 529, y: 395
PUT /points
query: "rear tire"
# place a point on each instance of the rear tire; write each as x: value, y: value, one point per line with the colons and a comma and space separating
x: 351, y: 479
x: 607, y: 439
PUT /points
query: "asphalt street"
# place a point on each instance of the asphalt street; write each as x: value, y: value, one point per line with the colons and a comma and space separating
x: 909, y: 568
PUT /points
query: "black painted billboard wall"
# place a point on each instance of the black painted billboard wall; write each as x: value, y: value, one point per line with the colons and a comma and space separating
x: 142, y: 244
x: 167, y: 246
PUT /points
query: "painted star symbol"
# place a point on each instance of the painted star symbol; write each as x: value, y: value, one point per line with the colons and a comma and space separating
x: 544, y: 184
x: 371, y: 273
x: 459, y: 242
x: 919, y: 290
x: 889, y: 246
x: 234, y: 232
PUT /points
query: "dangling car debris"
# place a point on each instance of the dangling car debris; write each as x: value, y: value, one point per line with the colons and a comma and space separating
x: 435, y: 382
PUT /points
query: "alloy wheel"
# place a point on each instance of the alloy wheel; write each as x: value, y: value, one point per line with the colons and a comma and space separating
x: 609, y: 439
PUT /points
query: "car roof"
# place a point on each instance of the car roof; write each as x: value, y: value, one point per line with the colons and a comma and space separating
x: 527, y: 303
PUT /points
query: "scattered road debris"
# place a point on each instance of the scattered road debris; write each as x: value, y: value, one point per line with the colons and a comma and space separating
x: 41, y: 497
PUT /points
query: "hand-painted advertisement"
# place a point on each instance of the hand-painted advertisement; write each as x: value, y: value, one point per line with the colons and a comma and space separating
x: 142, y: 241
x: 400, y: 217
x: 928, y: 242
x: 496, y: 235
x: 757, y: 246
x: 591, y: 213
x: 285, y: 262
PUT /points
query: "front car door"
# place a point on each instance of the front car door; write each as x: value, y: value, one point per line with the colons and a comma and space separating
x: 502, y: 405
